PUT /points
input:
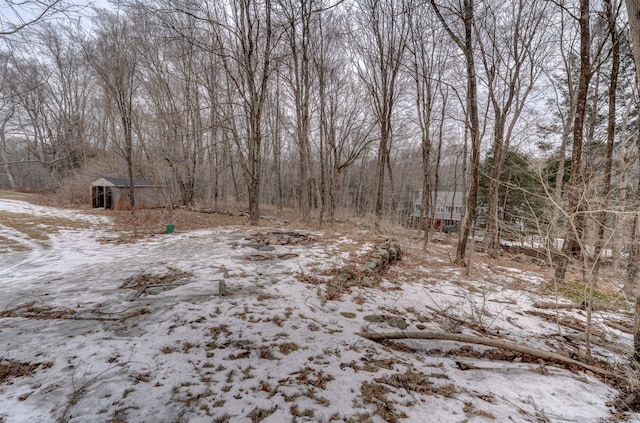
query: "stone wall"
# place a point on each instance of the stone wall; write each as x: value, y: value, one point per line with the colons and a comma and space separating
x: 386, y: 252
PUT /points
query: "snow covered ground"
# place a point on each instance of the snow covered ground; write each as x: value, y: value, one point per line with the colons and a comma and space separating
x: 93, y: 345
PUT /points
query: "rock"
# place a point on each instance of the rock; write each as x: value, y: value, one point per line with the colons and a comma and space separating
x: 367, y: 282
x: 371, y: 266
x: 376, y: 318
x: 281, y: 238
x: 397, y: 322
x: 385, y: 253
x: 393, y: 253
x: 346, y: 275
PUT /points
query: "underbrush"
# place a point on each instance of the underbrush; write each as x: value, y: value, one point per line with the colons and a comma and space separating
x: 579, y: 293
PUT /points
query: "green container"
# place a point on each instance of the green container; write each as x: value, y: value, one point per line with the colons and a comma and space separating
x: 170, y: 228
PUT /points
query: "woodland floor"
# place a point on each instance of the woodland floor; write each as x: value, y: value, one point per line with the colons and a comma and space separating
x: 106, y: 318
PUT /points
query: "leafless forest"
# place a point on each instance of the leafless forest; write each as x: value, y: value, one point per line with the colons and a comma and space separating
x: 348, y: 107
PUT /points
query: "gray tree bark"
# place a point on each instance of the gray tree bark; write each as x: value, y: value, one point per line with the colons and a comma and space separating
x: 633, y: 11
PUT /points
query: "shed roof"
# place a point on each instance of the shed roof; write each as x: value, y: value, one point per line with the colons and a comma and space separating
x: 123, y: 182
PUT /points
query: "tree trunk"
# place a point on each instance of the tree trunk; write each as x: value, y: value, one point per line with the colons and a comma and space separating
x: 492, y: 242
x: 436, y: 178
x: 636, y: 331
x: 381, y: 166
x: 466, y: 45
x: 633, y: 11
x: 474, y: 131
x: 611, y: 132
x: 633, y: 264
x: 299, y: 32
x: 3, y: 154
x: 575, y: 226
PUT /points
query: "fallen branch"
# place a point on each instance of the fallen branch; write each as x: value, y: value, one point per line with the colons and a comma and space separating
x: 554, y: 306
x: 618, y: 326
x: 496, y: 343
x: 575, y: 325
x: 144, y: 287
x: 572, y: 306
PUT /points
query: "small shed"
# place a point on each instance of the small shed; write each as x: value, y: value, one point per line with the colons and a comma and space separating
x: 112, y: 193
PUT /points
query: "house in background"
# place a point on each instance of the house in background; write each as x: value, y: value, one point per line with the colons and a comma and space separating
x: 448, y: 211
x: 112, y: 193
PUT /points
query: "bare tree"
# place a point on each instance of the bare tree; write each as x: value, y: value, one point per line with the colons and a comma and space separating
x: 612, y: 12
x: 345, y: 129
x: 378, y: 64
x: 113, y: 57
x: 301, y: 23
x: 29, y: 91
x: 17, y: 15
x: 512, y: 55
x: 245, y: 40
x: 633, y: 10
x: 429, y: 57
x: 465, y: 42
x: 15, y: 18
x: 7, y: 112
x: 171, y: 75
x: 574, y: 185
x: 70, y: 84
x: 564, y: 87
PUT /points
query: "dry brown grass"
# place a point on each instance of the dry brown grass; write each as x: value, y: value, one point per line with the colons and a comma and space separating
x: 9, y: 245
x: 15, y: 195
x: 153, y: 221
x: 313, y: 377
x: 375, y: 393
x: 38, y: 310
x: 288, y: 347
x: 146, y: 279
x: 35, y: 227
x: 258, y: 414
x: 416, y: 382
x: 10, y: 369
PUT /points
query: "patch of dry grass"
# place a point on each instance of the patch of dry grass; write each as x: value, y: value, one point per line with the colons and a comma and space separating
x: 10, y: 369
x: 35, y: 227
x: 15, y: 195
x: 259, y: 414
x: 411, y: 381
x: 311, y: 377
x: 38, y: 310
x: 288, y: 347
x: 154, y: 221
x: 146, y: 279
x: 375, y: 393
x: 8, y: 245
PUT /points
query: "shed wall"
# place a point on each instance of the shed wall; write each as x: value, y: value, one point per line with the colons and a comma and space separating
x: 146, y: 198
